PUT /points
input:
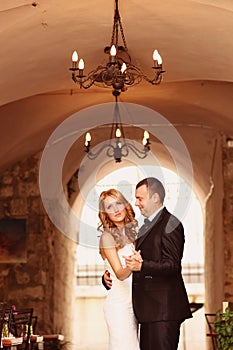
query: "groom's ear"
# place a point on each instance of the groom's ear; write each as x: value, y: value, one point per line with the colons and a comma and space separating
x: 155, y: 198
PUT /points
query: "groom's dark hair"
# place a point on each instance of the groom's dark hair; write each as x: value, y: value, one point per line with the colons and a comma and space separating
x: 154, y: 186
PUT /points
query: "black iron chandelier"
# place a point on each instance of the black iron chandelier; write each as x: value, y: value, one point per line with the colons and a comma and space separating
x: 117, y: 146
x: 119, y: 72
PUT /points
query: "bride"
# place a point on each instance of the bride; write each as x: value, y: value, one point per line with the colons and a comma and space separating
x: 119, y: 229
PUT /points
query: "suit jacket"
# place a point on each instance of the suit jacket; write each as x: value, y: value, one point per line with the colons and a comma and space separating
x: 158, y: 289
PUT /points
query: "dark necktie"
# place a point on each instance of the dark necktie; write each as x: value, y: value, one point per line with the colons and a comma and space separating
x: 144, y: 227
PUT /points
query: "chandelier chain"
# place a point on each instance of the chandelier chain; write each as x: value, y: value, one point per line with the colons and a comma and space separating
x: 117, y: 22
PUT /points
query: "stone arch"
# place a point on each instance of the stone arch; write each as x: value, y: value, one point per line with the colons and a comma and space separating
x: 208, y: 188
x: 206, y: 177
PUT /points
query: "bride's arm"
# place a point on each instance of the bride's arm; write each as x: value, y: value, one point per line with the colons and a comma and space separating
x: 109, y: 251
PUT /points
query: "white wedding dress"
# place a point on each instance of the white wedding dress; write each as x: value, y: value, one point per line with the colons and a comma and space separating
x: 118, y: 310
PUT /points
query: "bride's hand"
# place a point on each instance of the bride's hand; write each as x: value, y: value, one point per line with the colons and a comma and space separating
x: 134, y: 261
x: 137, y: 255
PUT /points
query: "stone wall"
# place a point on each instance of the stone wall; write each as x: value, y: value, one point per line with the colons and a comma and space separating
x: 45, y: 281
x: 228, y: 221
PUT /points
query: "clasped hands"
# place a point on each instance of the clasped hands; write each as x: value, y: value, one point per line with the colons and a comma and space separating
x: 134, y: 261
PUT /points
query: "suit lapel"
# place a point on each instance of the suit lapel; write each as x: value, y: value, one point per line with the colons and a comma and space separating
x: 145, y: 231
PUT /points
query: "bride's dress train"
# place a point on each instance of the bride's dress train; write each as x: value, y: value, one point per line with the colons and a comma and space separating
x: 118, y: 310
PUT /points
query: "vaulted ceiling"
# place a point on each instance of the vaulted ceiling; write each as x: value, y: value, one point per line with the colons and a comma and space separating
x: 37, y: 39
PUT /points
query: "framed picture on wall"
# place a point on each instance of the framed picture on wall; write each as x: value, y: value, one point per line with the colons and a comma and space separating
x: 12, y: 240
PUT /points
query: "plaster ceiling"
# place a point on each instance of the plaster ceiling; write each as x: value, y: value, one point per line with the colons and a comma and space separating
x: 37, y: 39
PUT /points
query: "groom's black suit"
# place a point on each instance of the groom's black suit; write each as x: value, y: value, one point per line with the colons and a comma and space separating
x: 159, y: 295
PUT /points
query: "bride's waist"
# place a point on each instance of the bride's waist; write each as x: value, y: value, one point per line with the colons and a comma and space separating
x: 120, y: 290
x: 115, y: 281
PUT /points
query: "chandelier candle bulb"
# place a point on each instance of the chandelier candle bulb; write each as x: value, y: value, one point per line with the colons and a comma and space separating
x: 146, y: 135
x: 112, y: 53
x: 81, y: 64
x: 74, y: 59
x: 88, y: 137
x: 123, y: 68
x: 146, y: 140
x: 157, y: 58
x: 81, y: 67
x: 118, y: 133
x: 87, y: 142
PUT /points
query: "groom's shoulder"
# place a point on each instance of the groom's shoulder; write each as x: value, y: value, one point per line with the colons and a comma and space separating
x: 171, y: 220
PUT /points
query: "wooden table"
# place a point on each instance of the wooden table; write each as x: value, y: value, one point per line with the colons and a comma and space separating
x: 11, y: 342
x: 51, y: 341
x: 58, y: 337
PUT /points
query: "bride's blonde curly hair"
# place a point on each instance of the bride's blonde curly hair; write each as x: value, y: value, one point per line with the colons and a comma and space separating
x: 131, y: 225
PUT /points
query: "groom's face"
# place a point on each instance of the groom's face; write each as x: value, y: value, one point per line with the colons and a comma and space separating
x: 146, y: 203
x: 143, y: 201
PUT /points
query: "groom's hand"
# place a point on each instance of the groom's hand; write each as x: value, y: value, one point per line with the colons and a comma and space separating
x: 106, y: 280
x: 134, y: 262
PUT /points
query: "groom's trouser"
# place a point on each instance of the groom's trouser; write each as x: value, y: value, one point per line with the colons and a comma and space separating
x: 160, y: 335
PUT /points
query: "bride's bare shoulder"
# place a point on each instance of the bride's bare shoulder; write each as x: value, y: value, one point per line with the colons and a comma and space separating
x: 107, y: 240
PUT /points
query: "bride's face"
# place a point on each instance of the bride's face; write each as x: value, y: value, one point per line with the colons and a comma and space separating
x: 115, y: 209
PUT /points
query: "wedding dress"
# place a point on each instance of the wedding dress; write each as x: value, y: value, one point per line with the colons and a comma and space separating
x: 118, y: 310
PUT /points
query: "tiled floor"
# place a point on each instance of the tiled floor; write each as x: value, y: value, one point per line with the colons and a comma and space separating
x: 92, y: 332
x: 193, y: 332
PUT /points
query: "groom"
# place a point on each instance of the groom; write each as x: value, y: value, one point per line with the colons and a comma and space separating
x: 160, y: 300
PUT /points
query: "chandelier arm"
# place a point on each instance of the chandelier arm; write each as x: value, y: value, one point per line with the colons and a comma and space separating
x: 133, y: 70
x: 132, y: 79
x: 132, y: 67
x: 110, y: 151
x: 137, y: 152
x: 124, y: 150
x: 92, y: 155
x: 157, y: 78
x: 86, y: 84
x: 134, y: 75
